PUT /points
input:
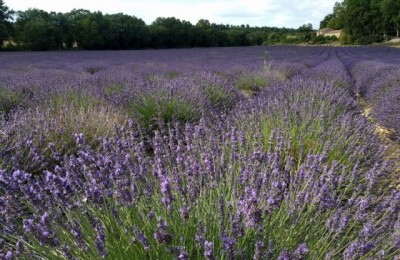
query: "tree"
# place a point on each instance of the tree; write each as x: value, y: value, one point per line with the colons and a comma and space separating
x: 74, y: 19
x: 361, y: 20
x: 237, y: 37
x: 391, y: 14
x: 256, y: 37
x: 324, y: 23
x: 203, y: 34
x: 126, y: 32
x: 306, y: 28
x: 90, y: 29
x: 5, y: 24
x: 305, y: 32
x: 171, y: 32
x: 35, y: 30
x: 62, y: 32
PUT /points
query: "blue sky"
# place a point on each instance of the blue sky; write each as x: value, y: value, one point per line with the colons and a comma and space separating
x: 280, y: 13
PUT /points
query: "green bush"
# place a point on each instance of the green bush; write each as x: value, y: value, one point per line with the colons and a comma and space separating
x: 219, y: 97
x: 113, y: 89
x: 9, y: 100
x: 252, y: 83
x: 369, y: 39
x: 154, y: 112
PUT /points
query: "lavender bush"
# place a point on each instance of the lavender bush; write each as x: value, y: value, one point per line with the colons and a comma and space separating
x: 35, y: 140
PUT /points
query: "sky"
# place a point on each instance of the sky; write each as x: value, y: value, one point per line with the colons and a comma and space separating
x: 279, y: 13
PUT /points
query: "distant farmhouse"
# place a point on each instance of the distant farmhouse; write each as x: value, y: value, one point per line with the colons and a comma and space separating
x: 329, y: 32
x: 6, y: 43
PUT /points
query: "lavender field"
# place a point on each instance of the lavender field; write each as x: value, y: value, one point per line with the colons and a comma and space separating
x: 280, y: 152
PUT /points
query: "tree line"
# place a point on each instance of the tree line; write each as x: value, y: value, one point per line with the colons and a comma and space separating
x: 36, y: 29
x: 365, y: 21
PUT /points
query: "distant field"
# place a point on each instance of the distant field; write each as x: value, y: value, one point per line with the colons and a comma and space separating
x: 280, y: 152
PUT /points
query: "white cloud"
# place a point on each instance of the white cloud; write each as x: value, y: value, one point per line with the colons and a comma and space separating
x: 280, y: 13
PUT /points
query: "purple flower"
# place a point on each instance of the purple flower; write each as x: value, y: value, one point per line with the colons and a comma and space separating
x: 284, y: 255
x: 151, y: 215
x: 78, y: 235
x: 27, y: 225
x: 162, y: 236
x: 79, y: 138
x: 166, y: 192
x: 9, y: 255
x: 258, y: 252
x: 199, y: 238
x: 208, y: 250
x: 228, y: 245
x: 301, y: 251
x: 179, y: 252
x: 19, y: 246
x: 66, y: 251
x: 367, y: 231
x: 185, y: 210
x: 352, y: 251
x: 44, y: 219
x: 100, y: 239
x: 142, y: 238
x: 249, y: 207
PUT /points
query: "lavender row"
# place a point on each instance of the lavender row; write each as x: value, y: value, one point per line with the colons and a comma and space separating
x: 379, y: 84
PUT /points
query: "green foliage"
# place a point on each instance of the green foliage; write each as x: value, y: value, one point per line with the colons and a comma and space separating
x: 39, y: 30
x: 320, y: 39
x: 113, y: 89
x: 154, y: 112
x: 5, y: 25
x: 305, y: 28
x: 9, y: 100
x: 171, y: 32
x: 324, y: 23
x: 365, y: 21
x: 344, y: 38
x: 219, y: 97
x: 76, y: 99
x: 334, y: 23
x: 126, y: 32
x: 252, y: 83
x: 172, y: 74
x: 90, y: 31
x: 365, y: 40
